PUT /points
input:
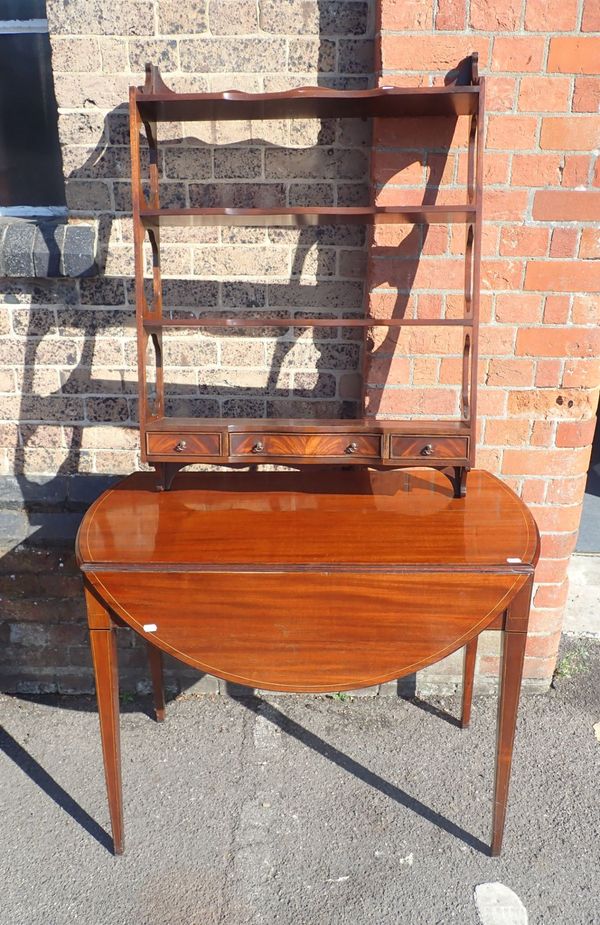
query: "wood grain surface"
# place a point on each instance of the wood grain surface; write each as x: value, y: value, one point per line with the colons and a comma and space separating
x: 297, y: 520
x: 307, y: 631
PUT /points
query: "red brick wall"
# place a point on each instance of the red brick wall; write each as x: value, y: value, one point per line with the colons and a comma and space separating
x: 540, y: 342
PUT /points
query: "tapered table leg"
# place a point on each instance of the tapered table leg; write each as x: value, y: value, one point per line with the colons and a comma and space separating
x: 511, y: 673
x: 468, y: 679
x: 158, y: 688
x: 104, y: 654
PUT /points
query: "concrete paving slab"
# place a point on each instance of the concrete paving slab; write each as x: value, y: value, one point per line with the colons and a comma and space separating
x: 301, y: 811
x: 582, y: 613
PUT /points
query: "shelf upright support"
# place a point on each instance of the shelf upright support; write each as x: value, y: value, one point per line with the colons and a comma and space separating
x: 154, y: 84
x: 475, y: 193
x: 141, y: 309
x: 156, y: 311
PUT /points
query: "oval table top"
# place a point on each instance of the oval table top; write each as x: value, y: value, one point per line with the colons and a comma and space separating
x: 364, y: 519
x: 308, y: 581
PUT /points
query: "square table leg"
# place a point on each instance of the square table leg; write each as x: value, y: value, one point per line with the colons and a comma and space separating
x: 514, y: 640
x: 104, y: 654
x: 156, y: 673
x: 468, y: 679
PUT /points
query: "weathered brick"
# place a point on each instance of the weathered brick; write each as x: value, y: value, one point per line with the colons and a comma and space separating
x: 163, y: 53
x: 516, y: 53
x: 451, y: 15
x: 589, y: 247
x: 544, y: 94
x: 523, y: 241
x: 507, y: 433
x: 551, y: 404
x: 308, y: 54
x: 564, y: 242
x: 510, y: 372
x: 555, y: 15
x: 576, y: 170
x: 512, y: 132
x: 562, y: 276
x: 591, y: 17
x: 187, y: 18
x: 410, y: 15
x: 88, y: 17
x: 502, y: 16
x: 242, y: 261
x: 76, y: 55
x: 586, y: 310
x: 231, y: 17
x: 571, y: 433
x: 327, y: 18
x: 431, y: 52
x: 581, y: 133
x: 586, y: 96
x: 537, y: 169
x: 237, y: 54
x: 571, y: 341
x: 519, y: 307
x: 574, y: 54
x: 552, y: 462
x: 556, y: 309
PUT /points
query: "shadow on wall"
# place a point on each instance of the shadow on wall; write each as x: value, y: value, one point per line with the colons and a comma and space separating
x: 98, y: 384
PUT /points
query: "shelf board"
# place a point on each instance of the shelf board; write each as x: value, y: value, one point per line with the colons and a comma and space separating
x: 300, y: 216
x: 307, y: 425
x: 309, y: 102
x: 273, y: 322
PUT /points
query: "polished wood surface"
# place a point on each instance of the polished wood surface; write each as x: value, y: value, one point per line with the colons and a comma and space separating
x: 310, y: 425
x: 156, y: 673
x: 287, y: 581
x: 157, y: 102
x: 303, y: 216
x: 307, y: 631
x: 104, y: 656
x: 511, y: 672
x: 360, y: 442
x: 227, y: 321
x: 306, y: 103
x: 438, y: 448
x: 339, y: 519
x: 192, y: 444
x: 470, y: 657
x: 322, y: 444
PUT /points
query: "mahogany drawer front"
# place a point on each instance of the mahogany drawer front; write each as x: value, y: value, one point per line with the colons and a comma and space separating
x: 181, y: 445
x: 344, y: 445
x: 428, y: 447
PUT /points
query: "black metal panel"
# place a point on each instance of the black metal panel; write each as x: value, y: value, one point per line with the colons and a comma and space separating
x: 22, y: 9
x: 30, y: 160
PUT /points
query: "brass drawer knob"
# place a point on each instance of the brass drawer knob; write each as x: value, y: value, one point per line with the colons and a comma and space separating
x: 181, y: 446
x: 258, y: 447
x: 427, y: 450
x: 352, y: 448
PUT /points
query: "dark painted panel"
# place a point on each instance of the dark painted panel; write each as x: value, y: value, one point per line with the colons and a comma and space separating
x: 30, y: 161
x: 22, y: 9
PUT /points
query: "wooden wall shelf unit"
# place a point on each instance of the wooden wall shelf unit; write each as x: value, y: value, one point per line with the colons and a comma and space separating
x: 169, y: 444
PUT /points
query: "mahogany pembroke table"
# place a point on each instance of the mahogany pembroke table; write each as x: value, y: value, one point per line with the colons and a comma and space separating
x: 308, y: 581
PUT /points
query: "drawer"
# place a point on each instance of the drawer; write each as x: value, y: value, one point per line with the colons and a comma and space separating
x: 341, y: 445
x: 180, y: 445
x: 428, y: 447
